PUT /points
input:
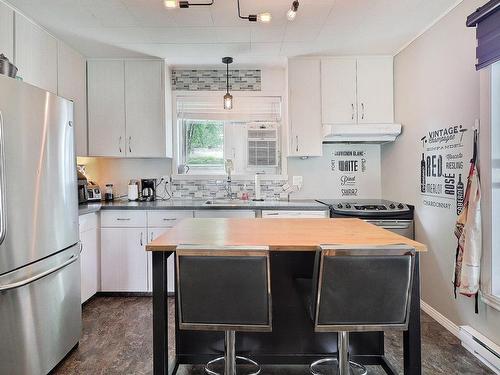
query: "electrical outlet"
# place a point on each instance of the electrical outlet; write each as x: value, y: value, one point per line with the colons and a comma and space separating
x: 297, y: 180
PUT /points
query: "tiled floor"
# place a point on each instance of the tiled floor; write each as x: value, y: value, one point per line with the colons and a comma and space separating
x: 117, y: 339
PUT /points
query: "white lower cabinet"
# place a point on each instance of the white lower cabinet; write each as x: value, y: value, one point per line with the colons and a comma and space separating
x: 124, y: 262
x: 153, y: 234
x: 89, y: 258
x: 160, y: 221
x: 214, y: 214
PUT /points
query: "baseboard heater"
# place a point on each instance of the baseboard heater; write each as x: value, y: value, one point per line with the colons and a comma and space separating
x: 480, y: 346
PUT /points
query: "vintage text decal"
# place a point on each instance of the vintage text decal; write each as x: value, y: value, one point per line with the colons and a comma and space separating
x: 442, y: 176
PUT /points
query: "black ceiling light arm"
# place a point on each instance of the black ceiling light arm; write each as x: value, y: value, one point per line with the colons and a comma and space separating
x: 250, y: 17
x: 187, y: 4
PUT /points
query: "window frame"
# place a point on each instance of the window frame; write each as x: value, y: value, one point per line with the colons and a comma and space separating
x: 490, y: 280
x: 207, y: 174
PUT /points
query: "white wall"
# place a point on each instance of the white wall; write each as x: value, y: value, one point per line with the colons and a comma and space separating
x: 119, y: 171
x: 436, y: 85
x: 321, y: 182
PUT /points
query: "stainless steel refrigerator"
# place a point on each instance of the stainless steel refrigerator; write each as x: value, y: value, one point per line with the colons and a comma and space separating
x: 40, y: 310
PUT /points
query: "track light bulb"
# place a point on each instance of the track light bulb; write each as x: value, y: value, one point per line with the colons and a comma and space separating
x: 171, y: 4
x: 292, y: 12
x: 265, y: 17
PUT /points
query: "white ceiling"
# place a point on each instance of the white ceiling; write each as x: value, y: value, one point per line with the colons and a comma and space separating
x: 202, y: 35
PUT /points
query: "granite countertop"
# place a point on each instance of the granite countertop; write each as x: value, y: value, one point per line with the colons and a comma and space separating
x: 177, y: 204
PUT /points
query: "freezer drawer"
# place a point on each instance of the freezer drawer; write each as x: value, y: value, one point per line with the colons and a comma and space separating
x: 40, y: 314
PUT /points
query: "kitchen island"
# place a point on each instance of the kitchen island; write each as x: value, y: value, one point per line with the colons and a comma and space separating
x: 293, y: 244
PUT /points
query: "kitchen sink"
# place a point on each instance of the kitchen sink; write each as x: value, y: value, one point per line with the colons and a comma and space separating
x: 226, y: 202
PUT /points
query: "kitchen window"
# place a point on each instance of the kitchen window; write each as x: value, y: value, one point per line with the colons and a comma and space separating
x: 249, y: 136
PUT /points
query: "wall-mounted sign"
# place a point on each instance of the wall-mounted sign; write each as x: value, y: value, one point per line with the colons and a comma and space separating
x: 350, y: 164
x: 442, y: 168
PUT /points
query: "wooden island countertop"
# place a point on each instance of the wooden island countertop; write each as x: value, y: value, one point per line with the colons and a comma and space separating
x: 278, y: 234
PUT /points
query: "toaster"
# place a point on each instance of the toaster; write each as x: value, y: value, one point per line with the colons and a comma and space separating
x: 93, y: 192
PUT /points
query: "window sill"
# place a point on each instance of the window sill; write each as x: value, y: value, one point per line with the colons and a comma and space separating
x: 491, y: 300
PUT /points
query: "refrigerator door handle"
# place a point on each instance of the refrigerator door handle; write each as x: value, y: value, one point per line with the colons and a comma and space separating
x: 3, y: 218
x: 29, y: 280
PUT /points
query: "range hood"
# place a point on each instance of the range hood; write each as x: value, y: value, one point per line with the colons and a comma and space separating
x: 365, y: 133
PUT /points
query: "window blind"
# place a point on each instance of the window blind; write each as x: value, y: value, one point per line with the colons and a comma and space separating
x: 487, y: 22
x: 249, y: 108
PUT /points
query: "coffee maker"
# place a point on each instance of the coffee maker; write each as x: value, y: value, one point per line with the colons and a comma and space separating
x: 148, y: 189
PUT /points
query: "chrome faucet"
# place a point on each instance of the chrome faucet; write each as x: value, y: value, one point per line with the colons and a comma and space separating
x: 228, y: 186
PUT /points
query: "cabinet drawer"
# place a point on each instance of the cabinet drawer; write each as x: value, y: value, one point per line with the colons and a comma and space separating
x: 214, y: 213
x: 87, y: 222
x: 279, y: 214
x: 123, y: 218
x: 165, y: 219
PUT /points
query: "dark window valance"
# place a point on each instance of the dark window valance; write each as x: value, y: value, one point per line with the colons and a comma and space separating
x: 487, y: 21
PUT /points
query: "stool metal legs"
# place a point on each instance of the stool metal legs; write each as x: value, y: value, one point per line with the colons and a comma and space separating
x: 230, y: 357
x: 230, y: 353
x: 345, y: 366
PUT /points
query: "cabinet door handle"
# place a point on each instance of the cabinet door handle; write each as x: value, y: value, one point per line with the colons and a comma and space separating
x: 166, y: 219
x: 141, y: 238
x: 352, y: 106
x: 151, y: 240
x: 120, y: 144
x: 362, y: 111
x: 123, y: 219
x: 129, y: 146
x: 297, y: 143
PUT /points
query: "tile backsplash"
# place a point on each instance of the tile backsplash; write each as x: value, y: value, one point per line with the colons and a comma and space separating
x: 215, y: 80
x: 216, y: 188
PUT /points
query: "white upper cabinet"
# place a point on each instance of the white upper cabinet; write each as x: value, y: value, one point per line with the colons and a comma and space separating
x: 71, y: 84
x: 338, y: 91
x: 304, y: 107
x: 7, y: 31
x: 375, y: 90
x: 106, y: 108
x: 127, y: 109
x: 357, y: 90
x: 144, y: 109
x: 35, y: 54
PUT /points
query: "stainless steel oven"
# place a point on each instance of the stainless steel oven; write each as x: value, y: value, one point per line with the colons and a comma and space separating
x: 403, y: 227
x: 394, y: 216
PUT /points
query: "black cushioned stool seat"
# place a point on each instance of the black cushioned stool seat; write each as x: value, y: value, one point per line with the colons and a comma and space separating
x: 360, y: 289
x: 224, y: 289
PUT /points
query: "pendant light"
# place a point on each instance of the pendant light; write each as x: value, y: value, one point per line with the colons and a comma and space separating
x: 228, y: 98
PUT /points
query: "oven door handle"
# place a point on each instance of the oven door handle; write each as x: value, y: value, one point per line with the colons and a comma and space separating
x: 390, y: 225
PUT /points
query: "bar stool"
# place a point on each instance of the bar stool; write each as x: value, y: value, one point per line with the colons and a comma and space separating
x: 361, y: 289
x: 224, y: 289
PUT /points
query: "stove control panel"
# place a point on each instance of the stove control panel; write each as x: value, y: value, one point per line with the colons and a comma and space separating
x: 367, y: 207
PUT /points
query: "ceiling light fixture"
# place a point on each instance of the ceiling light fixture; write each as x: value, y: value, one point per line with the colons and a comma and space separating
x: 292, y: 12
x: 172, y: 4
x: 264, y: 17
x: 228, y: 98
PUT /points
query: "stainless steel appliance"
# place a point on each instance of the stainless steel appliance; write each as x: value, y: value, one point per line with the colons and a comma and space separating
x: 93, y: 192
x: 40, y: 310
x: 394, y: 216
x: 83, y: 195
x: 148, y: 189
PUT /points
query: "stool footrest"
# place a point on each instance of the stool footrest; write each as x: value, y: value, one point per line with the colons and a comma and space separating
x: 221, y: 359
x: 361, y: 369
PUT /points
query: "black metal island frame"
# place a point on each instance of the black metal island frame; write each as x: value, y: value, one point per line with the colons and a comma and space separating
x: 293, y: 245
